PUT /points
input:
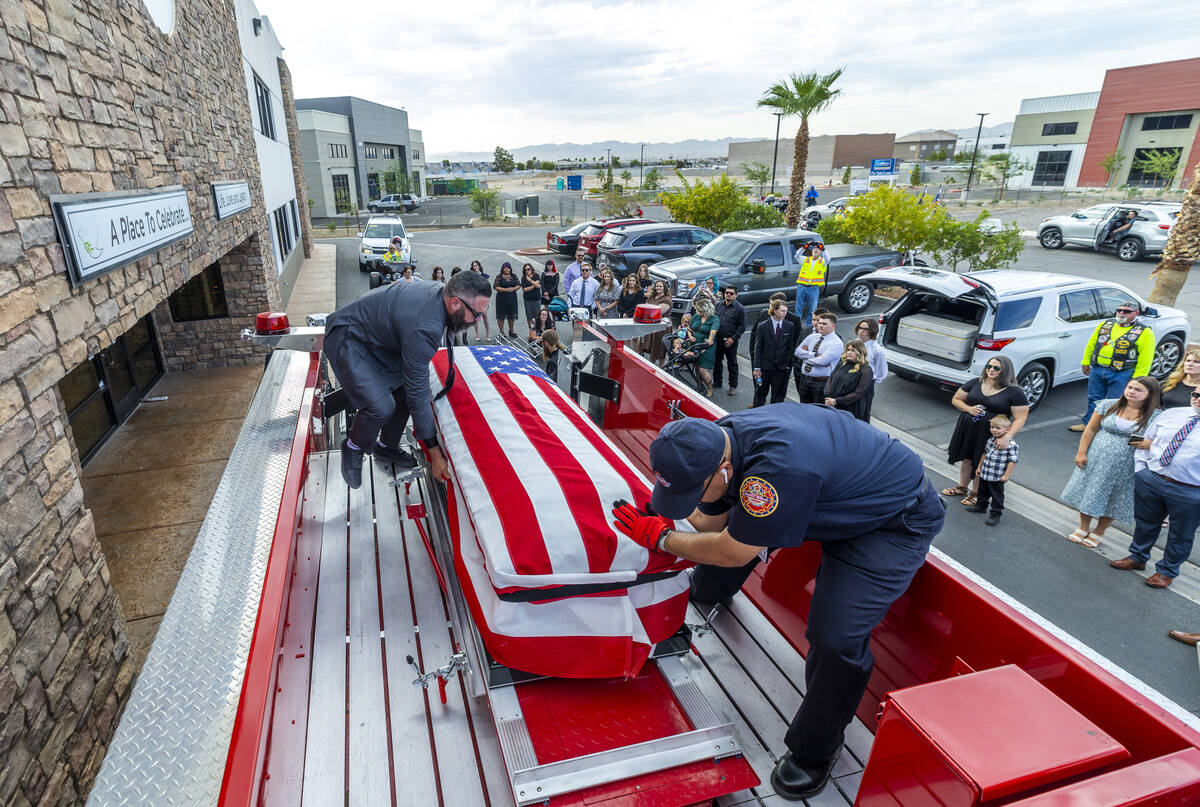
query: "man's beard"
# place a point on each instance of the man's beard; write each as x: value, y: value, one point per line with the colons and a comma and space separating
x: 457, y: 321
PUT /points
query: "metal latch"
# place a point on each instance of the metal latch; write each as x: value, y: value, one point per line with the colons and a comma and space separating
x: 457, y: 662
x: 676, y: 412
x: 706, y: 627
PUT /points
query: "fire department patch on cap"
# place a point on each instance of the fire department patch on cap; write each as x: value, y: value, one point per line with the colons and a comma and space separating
x: 758, y: 496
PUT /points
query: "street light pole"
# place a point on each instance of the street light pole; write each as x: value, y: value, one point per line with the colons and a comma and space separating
x: 641, y: 167
x: 775, y: 154
x: 609, y: 180
x: 974, y: 154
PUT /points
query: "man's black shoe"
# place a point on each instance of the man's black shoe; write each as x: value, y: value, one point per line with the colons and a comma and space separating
x: 397, y: 455
x: 993, y: 520
x: 352, y: 459
x: 977, y: 508
x: 794, y: 780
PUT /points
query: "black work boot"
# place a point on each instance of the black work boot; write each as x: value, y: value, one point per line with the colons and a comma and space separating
x: 397, y: 455
x: 352, y: 460
x: 794, y: 780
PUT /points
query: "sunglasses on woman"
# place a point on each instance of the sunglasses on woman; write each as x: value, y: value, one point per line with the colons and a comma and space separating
x: 995, y: 367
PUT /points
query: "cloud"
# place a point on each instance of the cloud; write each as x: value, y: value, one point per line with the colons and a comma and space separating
x: 475, y: 74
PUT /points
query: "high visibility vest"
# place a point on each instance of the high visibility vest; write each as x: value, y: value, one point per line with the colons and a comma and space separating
x: 812, y: 272
x: 1124, y: 349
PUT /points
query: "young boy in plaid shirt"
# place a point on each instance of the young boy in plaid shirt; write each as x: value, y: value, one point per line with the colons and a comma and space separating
x: 994, y: 470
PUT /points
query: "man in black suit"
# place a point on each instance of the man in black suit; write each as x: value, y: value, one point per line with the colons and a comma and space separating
x: 764, y: 315
x: 774, y: 342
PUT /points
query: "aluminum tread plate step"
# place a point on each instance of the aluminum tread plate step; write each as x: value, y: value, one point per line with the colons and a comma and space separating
x: 172, y: 742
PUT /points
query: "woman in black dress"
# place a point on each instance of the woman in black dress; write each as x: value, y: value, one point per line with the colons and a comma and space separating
x: 631, y: 297
x: 1183, y: 380
x: 550, y: 282
x: 531, y: 290
x: 506, y: 286
x: 851, y: 381
x: 995, y: 392
x: 541, y: 322
x: 643, y: 277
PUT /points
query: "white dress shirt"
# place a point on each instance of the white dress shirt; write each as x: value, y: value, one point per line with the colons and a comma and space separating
x: 1185, y: 465
x: 877, y: 359
x: 583, y: 291
x: 818, y: 361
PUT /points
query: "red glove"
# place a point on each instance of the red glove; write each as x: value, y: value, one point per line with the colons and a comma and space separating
x: 642, y: 528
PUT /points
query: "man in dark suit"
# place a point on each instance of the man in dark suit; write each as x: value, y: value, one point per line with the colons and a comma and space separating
x: 764, y: 315
x: 772, y: 360
x: 380, y: 346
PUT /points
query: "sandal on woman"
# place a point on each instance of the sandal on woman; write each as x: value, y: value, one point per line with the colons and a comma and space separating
x: 1078, y: 536
x: 970, y: 501
x: 957, y: 490
x: 1091, y: 541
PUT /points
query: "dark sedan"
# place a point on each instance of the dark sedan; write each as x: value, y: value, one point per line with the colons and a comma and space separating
x: 565, y: 241
x: 626, y: 249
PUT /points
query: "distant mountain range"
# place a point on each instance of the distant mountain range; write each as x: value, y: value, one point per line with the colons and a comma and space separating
x: 631, y: 151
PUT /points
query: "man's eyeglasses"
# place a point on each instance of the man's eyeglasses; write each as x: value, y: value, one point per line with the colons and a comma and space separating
x: 1126, y: 310
x: 1195, y: 395
x: 474, y: 313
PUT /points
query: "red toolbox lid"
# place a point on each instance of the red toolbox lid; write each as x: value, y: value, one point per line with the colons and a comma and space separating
x: 1006, y: 732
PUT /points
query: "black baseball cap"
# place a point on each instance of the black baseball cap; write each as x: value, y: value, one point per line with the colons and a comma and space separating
x: 683, y: 456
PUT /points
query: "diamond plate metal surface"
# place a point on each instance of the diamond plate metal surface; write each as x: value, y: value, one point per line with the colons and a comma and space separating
x: 173, y: 739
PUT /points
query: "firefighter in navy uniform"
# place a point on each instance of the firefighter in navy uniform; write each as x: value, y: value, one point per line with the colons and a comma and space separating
x: 775, y: 477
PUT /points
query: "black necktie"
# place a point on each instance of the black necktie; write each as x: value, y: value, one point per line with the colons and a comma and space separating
x: 450, y: 370
x: 816, y: 352
x: 776, y: 331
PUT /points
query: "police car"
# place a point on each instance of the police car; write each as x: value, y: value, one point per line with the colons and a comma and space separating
x: 948, y: 325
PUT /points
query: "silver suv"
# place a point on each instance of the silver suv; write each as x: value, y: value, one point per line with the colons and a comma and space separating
x: 948, y: 325
x: 1093, y: 227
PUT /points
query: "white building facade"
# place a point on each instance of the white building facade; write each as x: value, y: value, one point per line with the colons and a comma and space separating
x: 1051, y: 135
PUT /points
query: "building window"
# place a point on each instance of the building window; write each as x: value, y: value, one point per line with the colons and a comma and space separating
x: 372, y: 186
x: 337, y: 150
x: 1157, y: 123
x: 389, y: 153
x: 341, y: 193
x: 372, y: 152
x: 266, y: 122
x: 1051, y: 168
x: 997, y: 146
x: 1140, y: 177
x: 295, y: 218
x: 202, y: 297
x: 416, y: 154
x: 1053, y: 129
x: 283, y: 231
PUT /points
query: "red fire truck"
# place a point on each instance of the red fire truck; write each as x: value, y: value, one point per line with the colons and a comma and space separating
x: 320, y: 650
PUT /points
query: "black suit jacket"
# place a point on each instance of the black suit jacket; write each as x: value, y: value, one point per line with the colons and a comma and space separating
x: 763, y: 316
x: 771, y: 353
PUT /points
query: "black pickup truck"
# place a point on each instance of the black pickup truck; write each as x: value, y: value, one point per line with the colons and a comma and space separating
x: 761, y: 262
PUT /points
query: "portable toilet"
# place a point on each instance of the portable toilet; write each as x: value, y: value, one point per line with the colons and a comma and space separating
x: 559, y: 183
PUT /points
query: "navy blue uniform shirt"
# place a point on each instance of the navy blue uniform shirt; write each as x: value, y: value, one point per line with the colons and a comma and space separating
x: 803, y: 471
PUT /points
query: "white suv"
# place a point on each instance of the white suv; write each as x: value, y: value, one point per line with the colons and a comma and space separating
x: 948, y: 325
x: 1092, y: 226
x: 376, y: 239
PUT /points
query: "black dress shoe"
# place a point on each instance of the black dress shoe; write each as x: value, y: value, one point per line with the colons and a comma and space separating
x: 993, y: 520
x: 352, y: 459
x: 397, y: 455
x: 976, y: 508
x: 794, y: 780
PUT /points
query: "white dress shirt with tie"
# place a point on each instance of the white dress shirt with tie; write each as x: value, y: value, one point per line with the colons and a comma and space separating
x: 1185, y: 465
x: 583, y: 291
x: 819, y: 353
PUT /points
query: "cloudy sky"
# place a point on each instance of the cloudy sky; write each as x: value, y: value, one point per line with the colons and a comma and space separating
x: 476, y: 73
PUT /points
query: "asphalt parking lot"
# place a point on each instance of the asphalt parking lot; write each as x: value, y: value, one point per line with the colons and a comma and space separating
x: 1110, y: 611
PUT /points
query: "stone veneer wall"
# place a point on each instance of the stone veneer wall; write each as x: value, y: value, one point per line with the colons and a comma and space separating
x: 96, y: 98
x: 293, y: 130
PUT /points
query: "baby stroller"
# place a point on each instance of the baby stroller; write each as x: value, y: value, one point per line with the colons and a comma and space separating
x: 683, y: 363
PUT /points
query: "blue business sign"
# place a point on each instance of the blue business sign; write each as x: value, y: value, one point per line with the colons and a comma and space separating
x: 884, y: 166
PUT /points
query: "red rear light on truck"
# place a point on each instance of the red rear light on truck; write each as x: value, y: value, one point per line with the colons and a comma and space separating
x: 993, y: 344
x: 271, y: 322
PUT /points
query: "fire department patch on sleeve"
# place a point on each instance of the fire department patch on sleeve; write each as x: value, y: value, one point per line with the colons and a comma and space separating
x: 758, y: 496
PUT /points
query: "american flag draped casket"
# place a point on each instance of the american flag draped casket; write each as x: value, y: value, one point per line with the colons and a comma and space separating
x: 553, y: 588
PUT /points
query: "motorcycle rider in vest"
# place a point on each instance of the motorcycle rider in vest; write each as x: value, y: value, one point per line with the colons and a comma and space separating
x: 1120, y: 348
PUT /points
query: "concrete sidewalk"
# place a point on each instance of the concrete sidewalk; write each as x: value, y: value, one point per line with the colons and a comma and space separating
x: 315, y: 291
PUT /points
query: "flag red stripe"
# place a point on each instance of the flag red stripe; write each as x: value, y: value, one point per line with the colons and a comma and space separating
x: 589, y: 513
x: 523, y: 538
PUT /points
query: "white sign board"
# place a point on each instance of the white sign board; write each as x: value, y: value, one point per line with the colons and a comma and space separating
x: 859, y: 186
x: 105, y: 231
x: 231, y: 197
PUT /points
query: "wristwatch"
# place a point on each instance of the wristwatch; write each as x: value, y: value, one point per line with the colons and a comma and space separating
x: 662, y: 540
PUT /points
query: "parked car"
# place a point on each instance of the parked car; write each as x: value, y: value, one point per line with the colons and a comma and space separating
x: 589, y: 237
x: 395, y: 202
x: 946, y: 327
x: 761, y: 262
x: 1090, y: 227
x: 627, y: 249
x: 375, y: 240
x: 565, y: 241
x: 817, y: 212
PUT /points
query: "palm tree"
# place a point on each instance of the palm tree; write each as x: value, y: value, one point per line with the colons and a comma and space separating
x: 803, y: 94
x: 1182, y: 249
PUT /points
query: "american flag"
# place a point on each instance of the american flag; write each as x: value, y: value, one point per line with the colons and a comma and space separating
x: 533, y: 482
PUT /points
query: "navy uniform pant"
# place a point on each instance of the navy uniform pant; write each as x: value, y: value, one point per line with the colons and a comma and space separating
x: 857, y: 582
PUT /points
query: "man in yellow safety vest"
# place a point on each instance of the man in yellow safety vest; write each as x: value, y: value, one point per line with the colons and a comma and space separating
x: 810, y: 280
x: 1121, y: 348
